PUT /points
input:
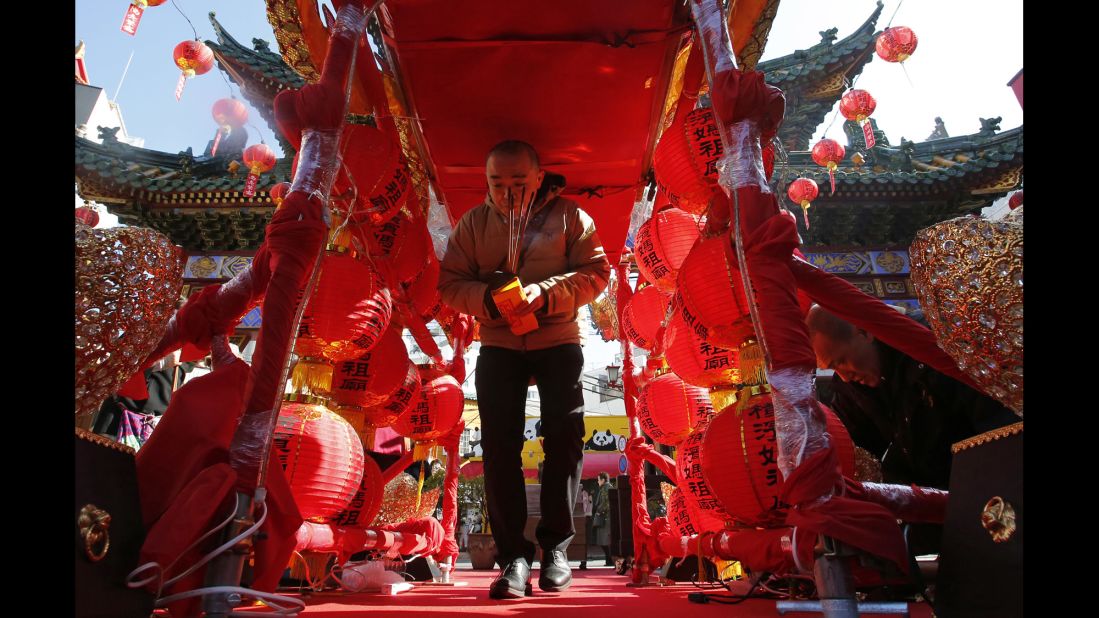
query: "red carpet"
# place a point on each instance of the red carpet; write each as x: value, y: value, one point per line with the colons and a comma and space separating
x: 594, y: 592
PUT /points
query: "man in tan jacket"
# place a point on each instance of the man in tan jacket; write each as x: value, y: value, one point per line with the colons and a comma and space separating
x: 562, y: 267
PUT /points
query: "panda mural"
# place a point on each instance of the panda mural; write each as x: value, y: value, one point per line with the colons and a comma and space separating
x: 605, y: 442
x: 533, y: 429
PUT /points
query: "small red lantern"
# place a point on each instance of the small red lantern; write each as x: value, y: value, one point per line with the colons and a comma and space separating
x: 828, y: 153
x: 367, y: 501
x: 705, y: 511
x: 321, y: 455
x: 401, y: 242
x: 258, y: 158
x: 643, y: 316
x: 437, y: 409
x: 279, y: 192
x: 662, y: 244
x: 88, y: 215
x: 229, y: 114
x: 375, y: 172
x: 347, y: 312
x: 801, y: 192
x: 696, y: 360
x: 193, y: 58
x: 740, y: 459
x: 857, y: 105
x: 373, y: 377
x: 1016, y: 200
x: 669, y: 409
x: 685, y: 160
x: 896, y: 44
x: 134, y: 12
x: 710, y: 297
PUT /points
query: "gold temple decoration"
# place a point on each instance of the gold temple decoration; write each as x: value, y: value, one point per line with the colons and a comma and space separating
x: 989, y: 436
x: 968, y: 276
x: 998, y: 517
x: 94, y: 524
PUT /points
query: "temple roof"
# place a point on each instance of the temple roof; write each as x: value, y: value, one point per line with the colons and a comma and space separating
x: 813, y: 79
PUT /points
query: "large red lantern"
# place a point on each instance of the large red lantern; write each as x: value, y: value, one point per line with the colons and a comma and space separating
x: 803, y: 191
x: 857, y: 105
x: 401, y: 243
x: 437, y: 409
x: 192, y: 58
x: 828, y: 153
x: 229, y: 114
x: 258, y: 158
x: 643, y: 315
x: 88, y: 215
x: 710, y: 296
x: 662, y: 244
x: 279, y: 192
x: 373, y: 181
x: 896, y: 44
x: 695, y: 360
x: 705, y: 511
x: 366, y: 502
x: 685, y: 160
x: 740, y: 458
x: 669, y: 409
x: 347, y: 312
x: 373, y: 377
x: 678, y: 515
x: 321, y: 456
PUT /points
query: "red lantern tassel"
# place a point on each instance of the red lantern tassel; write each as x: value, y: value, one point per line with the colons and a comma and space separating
x: 868, y: 134
x: 217, y: 140
x: 805, y: 213
x: 250, y: 184
x: 180, y: 84
x: 132, y: 19
x: 831, y: 179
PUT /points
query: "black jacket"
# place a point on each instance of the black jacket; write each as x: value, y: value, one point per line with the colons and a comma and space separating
x: 913, y: 416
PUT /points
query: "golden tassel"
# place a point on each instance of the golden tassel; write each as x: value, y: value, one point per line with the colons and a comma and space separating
x: 420, y: 450
x: 340, y: 238
x: 367, y: 435
x: 728, y: 569
x: 420, y: 485
x: 753, y: 366
x: 354, y: 415
x: 312, y: 376
x: 309, y: 566
x: 722, y: 397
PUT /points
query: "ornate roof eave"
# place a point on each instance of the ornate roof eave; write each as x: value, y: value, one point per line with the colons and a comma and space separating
x: 813, y: 79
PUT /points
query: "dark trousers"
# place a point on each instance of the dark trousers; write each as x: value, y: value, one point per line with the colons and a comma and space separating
x: 502, y: 379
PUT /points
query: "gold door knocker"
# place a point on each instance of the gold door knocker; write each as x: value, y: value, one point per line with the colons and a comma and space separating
x: 998, y: 517
x: 94, y: 523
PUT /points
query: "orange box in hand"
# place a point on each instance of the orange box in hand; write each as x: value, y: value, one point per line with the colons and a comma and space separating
x: 509, y: 297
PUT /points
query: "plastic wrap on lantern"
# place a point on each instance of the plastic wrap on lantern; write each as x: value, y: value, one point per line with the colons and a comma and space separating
x: 710, y: 297
x: 373, y: 377
x: 968, y: 275
x: 685, y: 161
x: 348, y: 311
x: 668, y: 409
x: 696, y: 360
x: 743, y: 167
x: 321, y: 456
x: 435, y: 411
x: 366, y: 502
x: 643, y: 316
x: 740, y: 458
x: 705, y: 511
x: 127, y: 284
x: 375, y: 172
x: 662, y: 243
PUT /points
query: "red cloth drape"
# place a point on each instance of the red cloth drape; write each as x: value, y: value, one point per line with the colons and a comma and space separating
x: 448, y: 550
x: 638, y: 448
x: 868, y: 313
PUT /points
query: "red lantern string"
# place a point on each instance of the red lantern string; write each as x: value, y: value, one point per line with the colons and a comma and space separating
x: 829, y: 153
x: 322, y: 457
x: 259, y: 158
x: 662, y: 243
x: 803, y: 191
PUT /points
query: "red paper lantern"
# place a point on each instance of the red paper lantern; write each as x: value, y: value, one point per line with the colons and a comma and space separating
x: 740, y: 460
x: 697, y: 361
x: 705, y: 511
x: 896, y: 44
x: 803, y: 191
x: 857, y: 105
x: 399, y: 402
x: 375, y: 172
x: 662, y: 244
x: 1016, y: 200
x: 279, y: 192
x: 423, y: 293
x: 373, y: 377
x: 322, y: 457
x: 258, y: 158
x: 88, y: 215
x: 229, y: 112
x: 193, y: 57
x: 402, y: 244
x: 669, y: 409
x: 643, y: 315
x: 678, y: 515
x: 367, y: 500
x: 348, y: 311
x: 437, y: 409
x: 685, y: 160
x: 710, y: 297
